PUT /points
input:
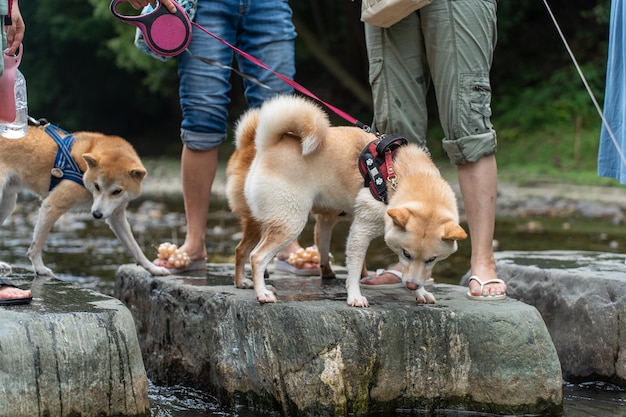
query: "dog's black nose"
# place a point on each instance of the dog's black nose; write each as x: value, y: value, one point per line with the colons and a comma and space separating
x: 96, y: 214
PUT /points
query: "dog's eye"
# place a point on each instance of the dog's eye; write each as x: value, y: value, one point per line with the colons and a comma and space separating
x: 96, y: 186
x: 116, y: 192
x: 406, y: 254
x: 431, y: 260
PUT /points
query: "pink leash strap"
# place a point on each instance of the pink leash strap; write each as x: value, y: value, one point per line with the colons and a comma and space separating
x: 292, y: 83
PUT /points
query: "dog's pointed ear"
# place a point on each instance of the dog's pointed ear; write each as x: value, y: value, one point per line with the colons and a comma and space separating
x: 400, y: 216
x: 91, y: 161
x: 138, y: 173
x: 453, y: 232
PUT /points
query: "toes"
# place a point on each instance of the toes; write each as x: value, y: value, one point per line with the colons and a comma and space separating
x: 266, y: 297
x: 358, y: 302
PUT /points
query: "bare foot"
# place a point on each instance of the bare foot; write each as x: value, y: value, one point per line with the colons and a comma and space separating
x: 8, y: 292
x: 486, y: 271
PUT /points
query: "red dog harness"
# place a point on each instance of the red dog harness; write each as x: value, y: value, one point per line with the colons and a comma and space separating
x: 376, y: 164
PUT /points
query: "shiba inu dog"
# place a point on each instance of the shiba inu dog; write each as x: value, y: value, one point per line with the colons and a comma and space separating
x: 302, y: 164
x: 113, y: 174
x: 236, y: 172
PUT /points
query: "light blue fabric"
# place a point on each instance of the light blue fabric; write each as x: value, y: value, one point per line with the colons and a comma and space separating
x: 4, y: 10
x: 264, y: 30
x: 610, y: 162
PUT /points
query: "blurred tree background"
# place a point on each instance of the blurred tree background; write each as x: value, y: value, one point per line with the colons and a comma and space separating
x: 84, y: 73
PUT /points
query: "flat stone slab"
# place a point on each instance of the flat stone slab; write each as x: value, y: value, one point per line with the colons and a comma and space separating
x: 582, y: 298
x: 312, y: 354
x: 71, y: 352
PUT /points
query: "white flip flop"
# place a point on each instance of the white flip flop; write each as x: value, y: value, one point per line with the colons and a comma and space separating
x: 484, y: 295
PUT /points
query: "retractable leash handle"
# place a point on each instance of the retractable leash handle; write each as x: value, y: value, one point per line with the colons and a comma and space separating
x: 167, y: 34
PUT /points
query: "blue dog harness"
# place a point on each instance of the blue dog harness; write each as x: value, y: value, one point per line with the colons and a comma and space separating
x: 65, y: 167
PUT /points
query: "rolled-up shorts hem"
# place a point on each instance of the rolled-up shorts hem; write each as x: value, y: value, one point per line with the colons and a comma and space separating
x: 201, y: 141
x: 470, y: 149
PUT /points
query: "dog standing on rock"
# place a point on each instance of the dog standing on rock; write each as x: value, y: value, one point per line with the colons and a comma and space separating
x: 302, y: 164
x: 113, y: 174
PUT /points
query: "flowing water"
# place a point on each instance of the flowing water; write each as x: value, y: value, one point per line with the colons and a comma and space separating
x: 84, y: 251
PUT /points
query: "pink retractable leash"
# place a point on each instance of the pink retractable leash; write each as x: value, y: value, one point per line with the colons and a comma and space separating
x: 166, y: 33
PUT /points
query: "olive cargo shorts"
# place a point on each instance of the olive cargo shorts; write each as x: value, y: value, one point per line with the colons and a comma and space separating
x: 450, y: 44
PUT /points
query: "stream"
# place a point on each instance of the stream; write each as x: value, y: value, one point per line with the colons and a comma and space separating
x: 84, y: 251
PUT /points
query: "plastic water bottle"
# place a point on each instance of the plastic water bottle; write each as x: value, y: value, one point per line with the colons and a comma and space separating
x: 18, y: 128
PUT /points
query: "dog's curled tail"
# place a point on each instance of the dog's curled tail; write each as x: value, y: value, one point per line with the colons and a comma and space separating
x: 290, y: 116
x: 245, y: 129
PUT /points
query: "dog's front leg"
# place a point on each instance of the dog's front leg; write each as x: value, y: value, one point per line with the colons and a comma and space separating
x: 356, y: 248
x: 366, y: 225
x: 52, y: 207
x: 8, y: 198
x: 118, y: 222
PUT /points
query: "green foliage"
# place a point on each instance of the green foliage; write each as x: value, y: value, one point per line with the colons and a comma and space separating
x: 72, y: 74
x: 84, y: 72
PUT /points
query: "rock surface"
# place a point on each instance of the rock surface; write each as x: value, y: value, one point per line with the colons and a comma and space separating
x: 71, y: 352
x: 582, y: 298
x: 311, y: 354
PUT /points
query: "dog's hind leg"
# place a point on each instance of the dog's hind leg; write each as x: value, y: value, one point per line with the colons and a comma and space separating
x: 324, y: 224
x: 275, y: 238
x: 51, y: 209
x: 251, y: 234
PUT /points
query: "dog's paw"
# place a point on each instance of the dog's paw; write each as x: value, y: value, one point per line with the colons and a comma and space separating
x: 43, y: 271
x: 158, y: 271
x: 358, y: 301
x: 266, y: 296
x: 424, y: 297
x: 245, y: 284
x: 5, y: 269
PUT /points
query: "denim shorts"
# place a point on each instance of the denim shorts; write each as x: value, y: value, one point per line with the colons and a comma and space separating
x: 448, y: 44
x: 263, y: 29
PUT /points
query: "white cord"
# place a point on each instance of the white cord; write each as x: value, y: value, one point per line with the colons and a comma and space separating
x: 584, y: 80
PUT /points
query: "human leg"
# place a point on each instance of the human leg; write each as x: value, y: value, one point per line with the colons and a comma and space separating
x: 268, y: 34
x: 204, y: 103
x: 198, y: 172
x: 479, y: 188
x: 399, y: 77
x: 461, y: 80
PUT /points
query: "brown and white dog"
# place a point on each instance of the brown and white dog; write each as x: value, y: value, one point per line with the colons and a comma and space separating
x: 302, y: 164
x: 113, y: 174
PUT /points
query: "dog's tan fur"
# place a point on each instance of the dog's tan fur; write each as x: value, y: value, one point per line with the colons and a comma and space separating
x: 302, y: 164
x: 113, y: 174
